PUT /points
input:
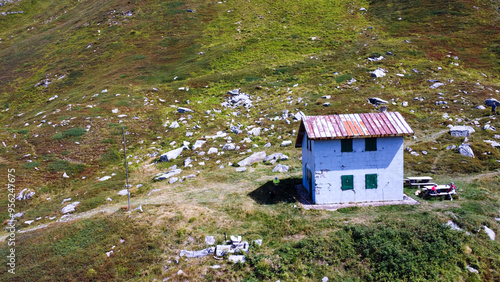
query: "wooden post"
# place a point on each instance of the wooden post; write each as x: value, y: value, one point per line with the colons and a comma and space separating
x: 126, y: 166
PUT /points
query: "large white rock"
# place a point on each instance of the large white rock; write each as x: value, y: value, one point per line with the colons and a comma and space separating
x: 286, y: 143
x: 198, y: 144
x: 466, y: 150
x: 168, y: 174
x: 490, y: 233
x: 171, y: 154
x: 70, y: 208
x: 212, y: 150
x: 104, y: 178
x: 256, y: 157
x: 461, y: 131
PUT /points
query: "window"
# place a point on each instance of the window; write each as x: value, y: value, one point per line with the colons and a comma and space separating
x: 309, y: 180
x: 309, y: 144
x: 371, y: 144
x: 371, y: 181
x: 347, y: 182
x: 346, y: 145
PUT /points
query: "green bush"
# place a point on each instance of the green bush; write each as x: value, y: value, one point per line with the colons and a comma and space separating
x: 62, y: 165
x: 72, y: 132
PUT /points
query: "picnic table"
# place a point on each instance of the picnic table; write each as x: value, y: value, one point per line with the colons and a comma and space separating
x: 419, y: 181
x: 441, y: 190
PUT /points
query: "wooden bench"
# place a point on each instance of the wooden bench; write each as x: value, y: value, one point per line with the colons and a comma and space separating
x: 418, y: 181
x: 441, y: 190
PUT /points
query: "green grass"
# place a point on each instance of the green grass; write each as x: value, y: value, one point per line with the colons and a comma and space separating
x: 277, y: 52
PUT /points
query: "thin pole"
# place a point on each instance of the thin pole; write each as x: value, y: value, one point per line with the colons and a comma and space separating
x: 126, y: 165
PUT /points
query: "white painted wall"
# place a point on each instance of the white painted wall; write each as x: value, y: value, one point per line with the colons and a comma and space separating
x: 329, y: 164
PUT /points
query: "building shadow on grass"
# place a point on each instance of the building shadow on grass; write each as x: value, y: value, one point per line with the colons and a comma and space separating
x: 286, y: 192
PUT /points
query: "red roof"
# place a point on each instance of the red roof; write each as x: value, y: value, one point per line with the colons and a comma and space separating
x: 346, y: 126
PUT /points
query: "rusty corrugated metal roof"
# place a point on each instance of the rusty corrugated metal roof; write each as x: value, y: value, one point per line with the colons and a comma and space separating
x: 346, y: 126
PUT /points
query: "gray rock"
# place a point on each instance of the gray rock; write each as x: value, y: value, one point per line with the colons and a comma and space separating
x: 254, y: 131
x: 236, y: 258
x: 25, y: 194
x: 481, y: 107
x: 376, y: 101
x: 163, y: 176
x: 466, y: 150
x: 234, y: 92
x: 378, y: 73
x: 70, y: 208
x: 281, y: 168
x: 299, y: 116
x: 489, y: 127
x: 173, y: 180
x: 198, y: 144
x: 235, y: 129
x: 490, y: 233
x: 436, y: 85
x: 471, y: 269
x: 229, y: 147
x: 493, y: 144
x: 209, y: 240
x: 461, y: 131
x: 268, y: 145
x: 404, y: 104
x: 171, y: 155
x: 256, y: 157
x: 197, y: 254
x: 174, y: 124
x: 183, y: 110
x: 286, y: 143
x: 241, y: 169
x: 451, y: 147
x: 276, y: 156
x: 212, y: 150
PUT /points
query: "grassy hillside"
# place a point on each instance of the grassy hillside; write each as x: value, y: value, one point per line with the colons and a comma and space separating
x: 73, y: 74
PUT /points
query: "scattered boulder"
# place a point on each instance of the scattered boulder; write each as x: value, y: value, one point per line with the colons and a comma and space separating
x: 466, y: 150
x: 198, y: 144
x: 451, y: 147
x: 25, y: 194
x: 209, y: 240
x: 256, y: 157
x: 281, y: 168
x: 493, y: 144
x: 212, y: 150
x: 171, y: 154
x: 461, y: 131
x: 376, y: 101
x: 163, y: 176
x: 198, y: 254
x: 104, y: 178
x: 276, y: 156
x: 489, y: 127
x: 490, y: 233
x: 123, y: 192
x: 471, y: 269
x: 229, y: 147
x: 286, y: 143
x: 70, y: 208
x: 436, y: 85
x: 378, y: 73
x: 481, y: 107
x: 236, y: 258
x: 183, y: 110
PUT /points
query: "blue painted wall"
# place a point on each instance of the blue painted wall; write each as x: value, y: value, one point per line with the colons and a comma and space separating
x: 327, y: 164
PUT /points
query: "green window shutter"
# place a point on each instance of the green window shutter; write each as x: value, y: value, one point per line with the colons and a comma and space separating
x: 346, y: 145
x: 347, y: 182
x: 371, y: 181
x: 371, y: 144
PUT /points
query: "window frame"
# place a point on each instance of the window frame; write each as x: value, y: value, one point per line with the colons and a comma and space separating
x: 369, y: 183
x: 371, y: 144
x: 346, y: 145
x: 344, y: 182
